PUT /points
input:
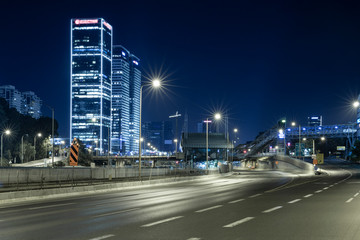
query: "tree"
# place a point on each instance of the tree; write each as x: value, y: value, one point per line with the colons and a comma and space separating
x: 23, y: 125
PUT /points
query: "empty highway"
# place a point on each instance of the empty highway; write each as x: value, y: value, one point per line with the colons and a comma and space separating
x: 242, y: 205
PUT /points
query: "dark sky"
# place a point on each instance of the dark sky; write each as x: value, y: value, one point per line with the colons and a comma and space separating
x: 257, y: 61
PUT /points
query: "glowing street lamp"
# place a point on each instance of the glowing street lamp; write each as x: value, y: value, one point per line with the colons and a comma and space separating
x: 217, y: 116
x: 39, y: 135
x: 156, y: 83
x: 175, y: 141
x: 356, y: 104
x: 7, y: 132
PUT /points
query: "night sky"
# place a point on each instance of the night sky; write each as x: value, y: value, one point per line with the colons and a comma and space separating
x: 257, y: 61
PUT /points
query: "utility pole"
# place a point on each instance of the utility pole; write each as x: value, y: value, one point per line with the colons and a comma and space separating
x: 177, y: 114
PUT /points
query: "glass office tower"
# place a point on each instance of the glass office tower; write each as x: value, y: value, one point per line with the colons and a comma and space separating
x: 90, y: 101
x: 120, y: 100
x: 135, y: 85
x: 125, y: 101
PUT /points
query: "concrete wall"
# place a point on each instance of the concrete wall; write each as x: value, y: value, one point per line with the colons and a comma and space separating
x: 36, y: 175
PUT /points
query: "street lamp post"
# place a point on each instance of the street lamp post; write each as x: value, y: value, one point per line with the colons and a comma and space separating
x: 22, y: 147
x: 52, y: 133
x: 207, y: 121
x: 156, y: 84
x: 7, y: 132
x: 234, y: 142
x: 39, y: 135
x: 175, y: 141
x: 293, y: 124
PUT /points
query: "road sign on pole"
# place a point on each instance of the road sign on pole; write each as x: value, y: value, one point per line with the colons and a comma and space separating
x: 74, y: 153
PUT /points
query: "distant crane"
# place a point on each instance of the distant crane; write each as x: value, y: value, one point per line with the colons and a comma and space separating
x: 177, y: 114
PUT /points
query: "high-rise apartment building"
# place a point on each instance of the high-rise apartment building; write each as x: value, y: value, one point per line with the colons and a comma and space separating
x: 126, y: 82
x: 31, y: 104
x: 12, y: 96
x: 26, y: 103
x: 91, y: 63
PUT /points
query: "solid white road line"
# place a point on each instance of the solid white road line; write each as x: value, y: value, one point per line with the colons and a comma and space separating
x: 294, y: 201
x: 272, y: 209
x: 113, y: 213
x: 349, y: 200
x: 309, y: 195
x: 50, y: 206
x: 256, y: 195
x: 235, y: 201
x: 207, y: 209
x: 103, y: 237
x: 318, y: 191
x: 238, y: 222
x: 162, y: 221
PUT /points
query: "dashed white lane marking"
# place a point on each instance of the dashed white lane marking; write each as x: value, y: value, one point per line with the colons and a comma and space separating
x: 117, y: 212
x: 194, y: 239
x: 103, y: 237
x: 349, y: 200
x: 162, y: 221
x: 318, y: 191
x: 235, y: 201
x: 325, y: 188
x: 309, y: 195
x: 331, y: 185
x: 356, y: 194
x: 207, y: 209
x: 294, y: 201
x: 256, y: 195
x: 50, y: 206
x: 272, y: 209
x: 238, y: 222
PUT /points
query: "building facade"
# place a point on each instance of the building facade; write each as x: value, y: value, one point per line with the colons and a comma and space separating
x: 134, y: 107
x: 12, y: 96
x: 26, y: 103
x: 31, y: 104
x: 120, y: 100
x: 159, y: 134
x: 90, y: 96
x: 126, y: 83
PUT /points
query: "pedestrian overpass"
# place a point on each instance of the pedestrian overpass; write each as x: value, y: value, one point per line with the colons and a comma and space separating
x: 273, y: 137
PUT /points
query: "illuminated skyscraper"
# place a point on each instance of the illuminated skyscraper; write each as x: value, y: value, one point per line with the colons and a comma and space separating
x: 125, y: 101
x: 90, y: 101
x: 120, y: 100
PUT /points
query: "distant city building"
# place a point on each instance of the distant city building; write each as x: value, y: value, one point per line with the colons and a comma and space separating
x: 31, y: 104
x: 135, y: 85
x: 26, y: 103
x: 126, y: 83
x: 159, y: 135
x: 315, y: 121
x: 12, y: 96
x: 91, y: 63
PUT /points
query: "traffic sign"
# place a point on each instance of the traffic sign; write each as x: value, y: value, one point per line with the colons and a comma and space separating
x: 74, y: 153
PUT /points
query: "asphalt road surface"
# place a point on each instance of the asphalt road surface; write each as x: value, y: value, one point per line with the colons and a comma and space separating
x: 245, y: 205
